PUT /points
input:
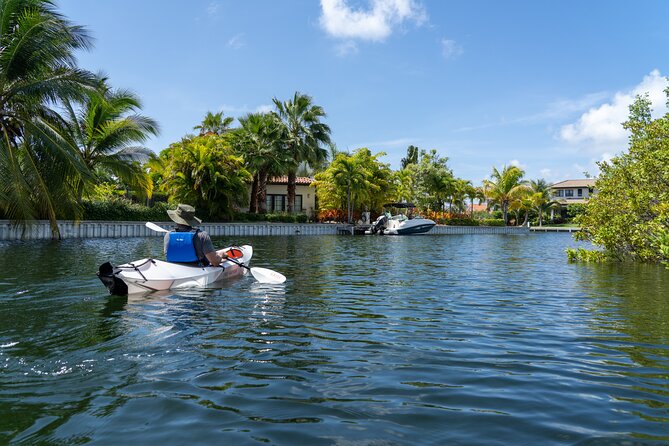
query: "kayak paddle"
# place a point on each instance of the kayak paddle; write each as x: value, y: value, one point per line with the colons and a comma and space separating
x: 262, y: 275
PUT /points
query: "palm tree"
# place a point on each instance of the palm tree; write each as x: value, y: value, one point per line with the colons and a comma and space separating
x: 37, y: 71
x: 108, y: 130
x: 346, y: 172
x: 259, y: 141
x: 504, y: 187
x: 214, y: 123
x: 304, y: 136
x: 541, y: 205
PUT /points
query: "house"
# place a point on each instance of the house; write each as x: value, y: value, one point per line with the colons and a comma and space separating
x: 277, y: 195
x: 573, y: 191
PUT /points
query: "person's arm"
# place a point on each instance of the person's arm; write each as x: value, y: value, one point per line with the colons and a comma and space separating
x: 216, y: 257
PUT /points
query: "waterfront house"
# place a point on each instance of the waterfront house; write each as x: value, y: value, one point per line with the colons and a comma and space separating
x: 573, y: 191
x: 277, y: 195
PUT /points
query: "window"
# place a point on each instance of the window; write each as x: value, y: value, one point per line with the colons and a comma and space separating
x: 580, y: 192
x: 558, y: 193
x: 279, y: 203
x: 569, y: 193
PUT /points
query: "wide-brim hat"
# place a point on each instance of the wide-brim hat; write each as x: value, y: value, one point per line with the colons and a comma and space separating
x: 184, y: 215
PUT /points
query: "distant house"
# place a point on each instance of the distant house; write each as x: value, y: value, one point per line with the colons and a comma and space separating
x: 573, y: 191
x: 277, y: 195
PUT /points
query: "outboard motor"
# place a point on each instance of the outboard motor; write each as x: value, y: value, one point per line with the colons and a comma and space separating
x: 379, y: 224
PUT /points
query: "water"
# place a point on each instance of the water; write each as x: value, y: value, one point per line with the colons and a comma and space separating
x: 434, y: 340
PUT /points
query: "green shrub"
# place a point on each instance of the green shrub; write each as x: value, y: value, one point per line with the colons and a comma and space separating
x: 123, y: 210
x: 301, y: 218
x: 584, y: 255
x: 492, y: 222
x: 460, y: 221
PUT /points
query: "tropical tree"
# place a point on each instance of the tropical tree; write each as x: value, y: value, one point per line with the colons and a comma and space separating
x: 504, y: 186
x: 207, y: 173
x: 259, y: 141
x: 433, y: 180
x: 541, y: 205
x: 411, y: 158
x: 304, y: 136
x: 108, y: 132
x: 629, y: 215
x: 350, y: 174
x: 37, y: 71
x: 214, y: 123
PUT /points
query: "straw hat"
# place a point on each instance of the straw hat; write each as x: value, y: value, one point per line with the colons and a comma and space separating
x: 184, y: 215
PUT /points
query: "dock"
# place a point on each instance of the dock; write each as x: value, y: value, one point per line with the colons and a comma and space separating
x: 554, y: 229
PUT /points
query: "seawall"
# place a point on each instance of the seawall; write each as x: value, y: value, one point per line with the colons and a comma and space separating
x: 41, y: 230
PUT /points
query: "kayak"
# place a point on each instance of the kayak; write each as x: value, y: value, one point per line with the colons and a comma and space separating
x: 157, y: 275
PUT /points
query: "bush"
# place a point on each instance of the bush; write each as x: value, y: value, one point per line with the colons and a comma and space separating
x: 301, y: 218
x: 492, y: 222
x: 460, y: 221
x: 123, y: 210
x: 584, y: 255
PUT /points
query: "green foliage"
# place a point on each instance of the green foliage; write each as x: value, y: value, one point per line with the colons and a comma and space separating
x: 629, y: 216
x: 120, y: 209
x: 38, y: 163
x: 504, y: 187
x: 356, y: 181
x: 575, y: 210
x: 459, y: 221
x: 493, y: 222
x: 585, y: 255
x: 206, y: 173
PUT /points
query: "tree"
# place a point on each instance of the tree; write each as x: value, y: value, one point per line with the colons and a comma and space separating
x: 205, y: 172
x: 433, y: 180
x: 355, y: 180
x: 37, y: 71
x: 259, y: 141
x: 214, y: 123
x: 629, y: 215
x: 304, y: 136
x: 503, y: 187
x: 411, y: 158
x: 108, y: 131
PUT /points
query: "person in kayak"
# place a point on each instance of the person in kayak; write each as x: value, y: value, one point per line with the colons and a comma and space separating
x: 186, y: 244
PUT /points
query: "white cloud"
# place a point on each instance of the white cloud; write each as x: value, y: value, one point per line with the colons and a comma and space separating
x: 599, y: 129
x: 346, y: 48
x: 238, y: 111
x: 212, y: 9
x: 518, y: 164
x: 376, y: 23
x: 450, y: 49
x: 236, y: 42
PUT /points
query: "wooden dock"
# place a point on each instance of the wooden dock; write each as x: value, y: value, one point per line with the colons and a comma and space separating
x: 554, y: 229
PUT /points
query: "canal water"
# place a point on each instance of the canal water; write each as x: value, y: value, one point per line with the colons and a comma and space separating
x: 427, y: 340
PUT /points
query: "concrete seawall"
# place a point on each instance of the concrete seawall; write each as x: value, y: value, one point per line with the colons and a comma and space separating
x: 107, y: 229
x: 113, y: 229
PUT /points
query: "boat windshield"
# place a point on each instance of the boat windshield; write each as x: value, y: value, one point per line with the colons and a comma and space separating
x: 399, y: 217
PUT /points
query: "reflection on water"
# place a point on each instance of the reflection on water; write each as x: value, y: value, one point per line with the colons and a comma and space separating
x: 372, y: 340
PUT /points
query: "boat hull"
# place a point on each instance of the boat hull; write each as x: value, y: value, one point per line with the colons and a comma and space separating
x: 147, y: 275
x: 406, y: 227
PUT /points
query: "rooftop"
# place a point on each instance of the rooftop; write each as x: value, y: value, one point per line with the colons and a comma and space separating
x: 587, y: 182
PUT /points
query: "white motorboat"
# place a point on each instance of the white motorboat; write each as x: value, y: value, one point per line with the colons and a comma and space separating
x: 400, y: 224
x: 157, y: 275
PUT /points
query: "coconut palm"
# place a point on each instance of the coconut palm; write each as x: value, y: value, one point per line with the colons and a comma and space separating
x: 108, y: 131
x: 214, y: 123
x: 503, y: 187
x: 304, y: 136
x: 347, y: 172
x: 37, y: 71
x: 259, y: 140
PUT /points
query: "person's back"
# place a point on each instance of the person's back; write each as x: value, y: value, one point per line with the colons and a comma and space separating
x: 185, y: 244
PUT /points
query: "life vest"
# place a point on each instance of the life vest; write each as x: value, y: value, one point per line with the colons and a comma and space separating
x: 181, y: 247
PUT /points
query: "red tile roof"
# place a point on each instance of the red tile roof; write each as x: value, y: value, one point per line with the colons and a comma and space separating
x: 284, y: 180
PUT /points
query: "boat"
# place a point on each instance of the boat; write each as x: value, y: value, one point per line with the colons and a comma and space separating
x: 400, y: 224
x: 157, y: 275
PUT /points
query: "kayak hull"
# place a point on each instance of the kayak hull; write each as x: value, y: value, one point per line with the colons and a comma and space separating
x: 148, y: 275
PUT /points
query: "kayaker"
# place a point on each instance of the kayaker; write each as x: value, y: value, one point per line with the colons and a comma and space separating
x: 186, y: 244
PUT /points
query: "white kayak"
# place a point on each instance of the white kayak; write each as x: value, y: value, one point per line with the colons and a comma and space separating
x: 157, y: 275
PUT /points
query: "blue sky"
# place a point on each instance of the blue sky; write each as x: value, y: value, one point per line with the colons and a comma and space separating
x: 540, y: 84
